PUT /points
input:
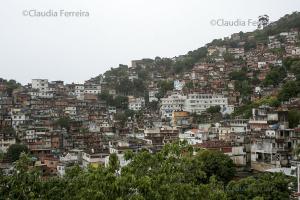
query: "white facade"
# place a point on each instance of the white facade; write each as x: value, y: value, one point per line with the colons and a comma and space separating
x: 258, y: 89
x: 136, y: 103
x: 227, y: 109
x: 192, y: 137
x: 46, y: 95
x: 112, y: 109
x: 273, y: 42
x: 152, y: 95
x: 238, y: 126
x: 194, y: 103
x: 237, y: 155
x: 61, y: 169
x: 92, y: 89
x: 133, y: 76
x: 197, y: 103
x: 174, y: 102
x: 18, y: 119
x: 79, y: 89
x: 30, y: 135
x: 41, y: 89
x: 70, y: 110
x: 92, y: 159
x: 261, y: 64
x: 178, y: 85
x: 69, y: 157
x: 40, y: 84
x: 296, y: 51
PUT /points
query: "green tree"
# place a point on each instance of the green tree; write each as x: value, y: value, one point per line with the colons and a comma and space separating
x: 24, y: 183
x: 173, y: 173
x: 189, y: 85
x: 215, y: 163
x: 294, y: 118
x: 240, y: 75
x: 64, y: 122
x: 244, y: 88
x: 228, y: 57
x: 11, y: 85
x: 114, y: 163
x: 213, y: 109
x: 265, y: 186
x: 105, y: 96
x: 14, y: 151
x: 295, y: 68
x: 164, y: 86
x: 289, y: 89
x: 121, y: 117
x: 124, y: 87
x: 275, y: 76
x: 120, y: 102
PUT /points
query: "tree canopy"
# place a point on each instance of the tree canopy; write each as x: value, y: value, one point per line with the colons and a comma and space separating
x: 14, y: 151
x: 173, y: 173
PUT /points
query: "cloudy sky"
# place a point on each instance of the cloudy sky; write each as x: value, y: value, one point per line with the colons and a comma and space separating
x: 74, y: 49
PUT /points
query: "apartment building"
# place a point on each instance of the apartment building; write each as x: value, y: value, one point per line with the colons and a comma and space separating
x: 136, y: 103
x: 197, y: 103
x: 40, y: 84
x: 174, y: 102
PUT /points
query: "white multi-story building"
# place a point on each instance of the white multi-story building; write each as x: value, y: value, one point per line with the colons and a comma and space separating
x: 45, y: 95
x: 92, y: 89
x: 71, y: 110
x: 93, y: 159
x: 197, y: 103
x: 193, y: 136
x: 274, y: 43
x: 174, y: 102
x: 40, y: 84
x: 194, y: 103
x: 79, y: 89
x: 18, y: 118
x: 136, y: 103
x: 112, y: 109
x: 72, y: 156
x: 296, y: 51
x: 133, y: 76
x: 30, y: 135
x: 41, y: 89
x: 152, y: 95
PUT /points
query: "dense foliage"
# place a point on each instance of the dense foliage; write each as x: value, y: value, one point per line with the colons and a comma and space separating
x: 275, y: 76
x: 14, y: 151
x: 10, y: 85
x: 173, y: 173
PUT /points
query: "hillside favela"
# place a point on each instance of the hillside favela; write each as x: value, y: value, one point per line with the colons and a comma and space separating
x: 221, y: 122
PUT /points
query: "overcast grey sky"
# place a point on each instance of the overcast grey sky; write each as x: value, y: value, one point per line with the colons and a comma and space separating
x: 117, y: 31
